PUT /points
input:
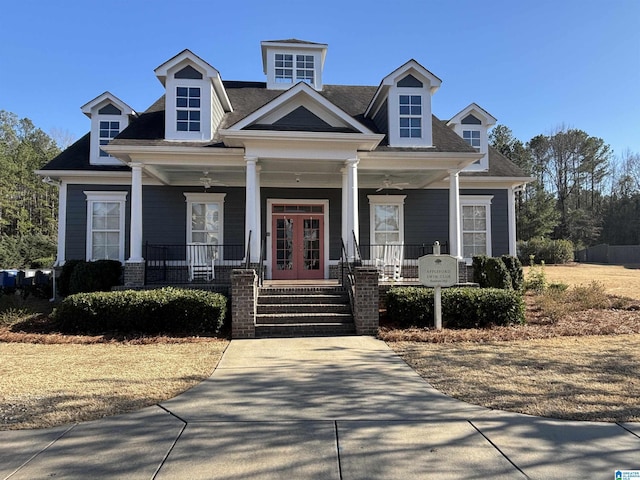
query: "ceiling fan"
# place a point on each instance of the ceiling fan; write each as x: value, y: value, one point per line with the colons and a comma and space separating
x: 208, y: 182
x: 387, y: 183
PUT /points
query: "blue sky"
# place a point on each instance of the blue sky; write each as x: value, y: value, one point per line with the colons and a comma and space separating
x: 535, y: 65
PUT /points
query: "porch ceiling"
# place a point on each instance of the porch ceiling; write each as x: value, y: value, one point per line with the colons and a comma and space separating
x: 296, y: 174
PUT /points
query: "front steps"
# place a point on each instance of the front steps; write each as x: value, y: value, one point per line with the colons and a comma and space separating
x: 284, y: 311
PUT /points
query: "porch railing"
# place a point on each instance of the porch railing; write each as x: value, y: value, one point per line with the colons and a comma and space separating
x: 170, y: 264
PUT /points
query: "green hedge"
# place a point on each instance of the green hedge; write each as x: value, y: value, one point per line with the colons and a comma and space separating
x: 498, y: 272
x: 546, y: 250
x: 461, y: 307
x: 166, y: 310
x: 78, y: 276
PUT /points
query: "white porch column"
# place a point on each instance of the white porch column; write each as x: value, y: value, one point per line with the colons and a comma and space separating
x: 251, y: 215
x: 346, y: 232
x: 62, y: 223
x: 135, y: 228
x: 512, y: 220
x: 455, y: 242
x: 353, y: 222
x: 258, y: 217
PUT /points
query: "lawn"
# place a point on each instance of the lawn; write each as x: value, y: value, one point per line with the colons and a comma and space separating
x: 582, y: 364
x: 579, y: 364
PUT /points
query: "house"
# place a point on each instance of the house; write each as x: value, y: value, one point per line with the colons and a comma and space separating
x: 287, y: 171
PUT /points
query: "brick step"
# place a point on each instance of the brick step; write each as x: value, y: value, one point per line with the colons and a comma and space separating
x: 303, y: 318
x: 303, y: 308
x: 282, y: 299
x: 304, y: 330
x: 321, y: 290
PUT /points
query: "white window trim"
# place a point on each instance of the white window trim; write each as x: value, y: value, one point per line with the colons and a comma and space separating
x: 95, y: 158
x: 192, y: 198
x: 375, y: 200
x: 476, y: 200
x: 96, y: 196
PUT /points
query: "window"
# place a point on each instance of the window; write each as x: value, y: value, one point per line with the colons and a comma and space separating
x: 304, y: 68
x: 205, y: 218
x: 108, y: 131
x: 410, y: 116
x: 472, y: 137
x: 188, y: 109
x: 284, y: 68
x: 387, y: 219
x: 105, y: 225
x: 476, y: 225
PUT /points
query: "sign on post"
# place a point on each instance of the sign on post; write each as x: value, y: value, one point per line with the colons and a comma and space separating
x: 438, y: 271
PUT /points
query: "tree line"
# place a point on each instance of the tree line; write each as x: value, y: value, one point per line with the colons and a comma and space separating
x: 580, y: 192
x: 28, y: 206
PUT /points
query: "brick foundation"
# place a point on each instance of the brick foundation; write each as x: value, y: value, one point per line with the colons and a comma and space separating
x: 366, y: 315
x: 134, y: 274
x: 244, y: 291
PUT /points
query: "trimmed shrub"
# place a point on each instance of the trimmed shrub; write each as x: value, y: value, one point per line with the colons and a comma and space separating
x: 514, y: 267
x: 461, y: 307
x: 497, y: 274
x: 167, y: 310
x: 479, y: 264
x: 64, y: 280
x: 98, y: 276
x: 410, y: 306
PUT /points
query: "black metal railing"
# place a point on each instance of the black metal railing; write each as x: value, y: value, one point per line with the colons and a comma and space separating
x: 247, y: 257
x: 173, y: 264
x: 263, y: 253
x: 347, y: 274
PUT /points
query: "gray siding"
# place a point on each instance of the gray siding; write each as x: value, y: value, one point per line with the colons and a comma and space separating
x: 76, y: 226
x: 499, y: 219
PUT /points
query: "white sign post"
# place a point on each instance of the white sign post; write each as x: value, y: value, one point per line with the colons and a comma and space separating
x: 438, y: 271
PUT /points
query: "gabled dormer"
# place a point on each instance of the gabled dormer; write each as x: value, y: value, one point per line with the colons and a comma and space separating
x: 109, y: 116
x: 287, y: 62
x: 402, y: 105
x: 195, y: 98
x: 473, y: 124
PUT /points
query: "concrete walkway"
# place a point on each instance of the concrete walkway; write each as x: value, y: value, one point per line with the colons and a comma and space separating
x: 319, y: 408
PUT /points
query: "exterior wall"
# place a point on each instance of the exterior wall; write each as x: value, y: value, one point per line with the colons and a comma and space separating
x: 426, y: 215
x: 76, y: 226
x: 499, y: 218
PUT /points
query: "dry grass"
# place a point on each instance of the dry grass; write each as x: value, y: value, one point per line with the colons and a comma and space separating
x: 52, y: 384
x: 588, y: 378
x: 622, y: 281
x: 578, y: 356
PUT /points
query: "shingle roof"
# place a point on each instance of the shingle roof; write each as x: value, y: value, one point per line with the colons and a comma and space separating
x: 246, y: 98
x: 499, y: 166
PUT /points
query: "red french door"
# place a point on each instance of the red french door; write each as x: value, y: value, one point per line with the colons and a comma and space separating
x: 297, y: 246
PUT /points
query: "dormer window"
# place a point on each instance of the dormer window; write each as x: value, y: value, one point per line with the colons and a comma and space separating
x: 472, y: 137
x: 109, y: 116
x: 188, y: 109
x: 410, y: 116
x: 472, y: 124
x: 108, y: 131
x: 287, y: 62
x: 304, y: 69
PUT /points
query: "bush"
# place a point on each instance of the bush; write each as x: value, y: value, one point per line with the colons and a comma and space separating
x: 44, y: 262
x: 514, y: 267
x: 479, y: 264
x: 64, y: 280
x: 78, y: 276
x: 497, y: 274
x: 461, y: 307
x: 546, y: 250
x: 98, y: 276
x: 167, y: 310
